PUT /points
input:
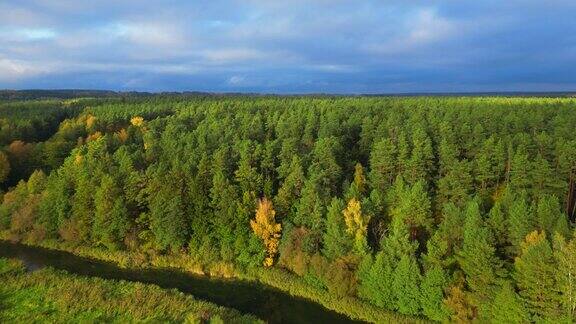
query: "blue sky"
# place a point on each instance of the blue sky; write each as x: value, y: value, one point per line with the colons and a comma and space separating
x: 289, y: 46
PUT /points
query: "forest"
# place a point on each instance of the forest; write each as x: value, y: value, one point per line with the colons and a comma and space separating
x: 452, y: 209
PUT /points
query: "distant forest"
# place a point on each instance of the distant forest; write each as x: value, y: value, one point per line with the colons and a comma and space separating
x: 445, y: 208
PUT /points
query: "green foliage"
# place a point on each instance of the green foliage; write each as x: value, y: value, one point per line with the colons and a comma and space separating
x: 111, y: 219
x: 336, y: 240
x: 406, y: 285
x: 477, y: 258
x: 535, y: 269
x: 507, y: 307
x: 376, y: 278
x: 432, y: 294
x: 418, y: 205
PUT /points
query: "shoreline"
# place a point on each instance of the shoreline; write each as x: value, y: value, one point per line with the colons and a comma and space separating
x: 275, y: 278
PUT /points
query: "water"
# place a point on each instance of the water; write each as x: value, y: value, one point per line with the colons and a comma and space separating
x: 267, y: 303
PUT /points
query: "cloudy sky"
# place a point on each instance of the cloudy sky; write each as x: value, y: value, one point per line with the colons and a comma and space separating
x: 289, y: 46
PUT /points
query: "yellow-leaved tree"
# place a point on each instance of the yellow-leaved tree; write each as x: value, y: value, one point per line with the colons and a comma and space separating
x: 137, y: 121
x: 264, y: 226
x: 356, y: 224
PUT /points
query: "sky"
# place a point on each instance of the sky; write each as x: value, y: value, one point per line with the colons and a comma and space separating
x: 289, y: 46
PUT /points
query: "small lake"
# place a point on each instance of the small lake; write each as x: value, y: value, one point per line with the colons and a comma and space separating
x: 265, y: 302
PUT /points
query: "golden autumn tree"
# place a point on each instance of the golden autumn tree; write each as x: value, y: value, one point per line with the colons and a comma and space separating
x: 137, y: 121
x: 356, y: 224
x: 90, y: 122
x: 264, y: 226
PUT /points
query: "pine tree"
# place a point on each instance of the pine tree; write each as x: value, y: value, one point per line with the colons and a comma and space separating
x: 477, y: 258
x: 291, y: 188
x: 521, y: 170
x: 456, y: 186
x: 542, y: 174
x: 336, y: 240
x: 520, y: 221
x: 507, y: 307
x: 498, y: 224
x: 111, y: 219
x: 420, y: 163
x: 432, y: 294
x: 535, y: 273
x: 224, y: 203
x: 406, y: 284
x: 376, y: 278
x: 167, y: 216
x: 412, y: 205
x: 549, y: 216
x: 383, y: 164
x: 565, y: 254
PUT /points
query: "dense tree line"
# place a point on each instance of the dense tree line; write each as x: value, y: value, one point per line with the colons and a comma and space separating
x: 447, y: 208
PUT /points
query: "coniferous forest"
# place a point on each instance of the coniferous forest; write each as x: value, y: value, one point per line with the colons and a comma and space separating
x: 450, y: 209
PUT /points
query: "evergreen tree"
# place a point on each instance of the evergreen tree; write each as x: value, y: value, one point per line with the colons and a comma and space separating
x: 565, y: 253
x: 111, y: 219
x: 477, y: 258
x: 412, y: 205
x: 376, y: 279
x: 549, y: 217
x: 291, y: 188
x: 456, y: 186
x: 383, y: 164
x: 535, y: 271
x: 406, y: 284
x: 521, y: 170
x: 507, y: 307
x: 336, y: 240
x: 432, y: 294
x: 167, y: 216
x: 520, y: 221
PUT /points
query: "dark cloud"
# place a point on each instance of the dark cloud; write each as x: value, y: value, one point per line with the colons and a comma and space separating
x: 289, y: 46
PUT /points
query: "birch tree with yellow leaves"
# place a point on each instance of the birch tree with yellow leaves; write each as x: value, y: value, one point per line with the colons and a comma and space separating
x: 356, y: 224
x: 264, y: 226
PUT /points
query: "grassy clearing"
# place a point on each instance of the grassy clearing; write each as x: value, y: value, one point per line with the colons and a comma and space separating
x: 50, y: 295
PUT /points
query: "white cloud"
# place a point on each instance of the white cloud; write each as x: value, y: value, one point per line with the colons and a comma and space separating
x: 12, y: 70
x: 148, y: 33
x: 26, y: 34
x: 337, y: 68
x: 421, y: 28
x: 428, y: 27
x: 236, y: 80
x: 226, y: 55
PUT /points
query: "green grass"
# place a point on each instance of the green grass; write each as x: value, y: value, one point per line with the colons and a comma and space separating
x: 278, y: 278
x: 52, y: 296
